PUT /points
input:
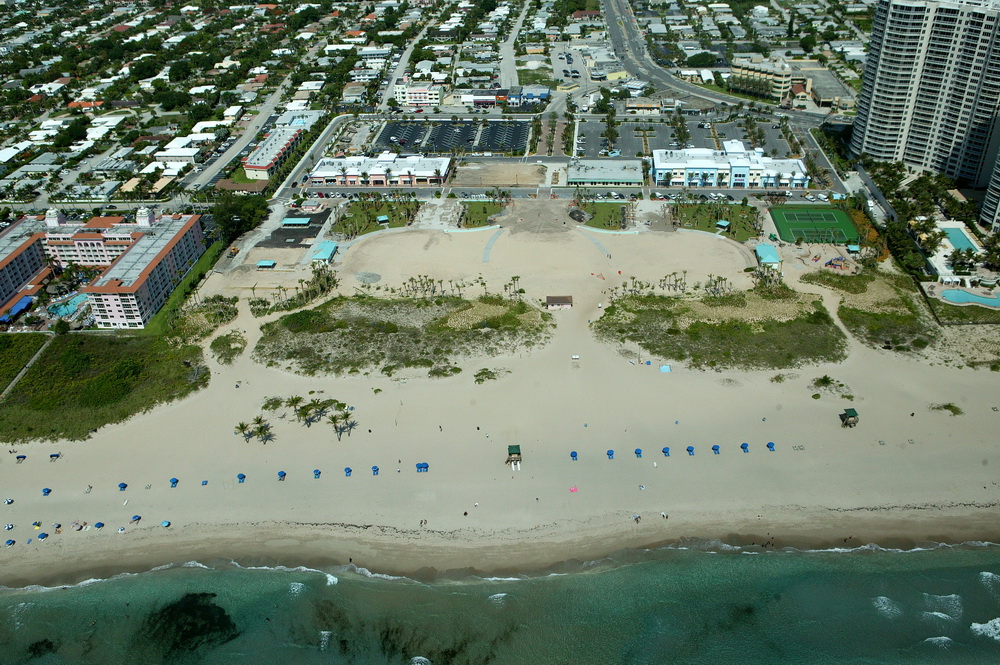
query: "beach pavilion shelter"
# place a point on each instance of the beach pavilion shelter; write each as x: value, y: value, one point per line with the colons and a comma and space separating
x: 266, y: 265
x: 513, y: 454
x: 324, y: 252
x: 767, y: 256
x: 558, y: 302
x: 295, y: 222
x: 849, y: 418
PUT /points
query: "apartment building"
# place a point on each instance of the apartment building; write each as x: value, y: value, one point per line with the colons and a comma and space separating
x: 931, y: 87
x: 271, y: 153
x: 409, y: 93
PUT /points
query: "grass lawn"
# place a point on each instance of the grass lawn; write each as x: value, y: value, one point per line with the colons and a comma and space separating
x: 663, y: 326
x: 537, y: 77
x: 703, y: 217
x: 477, y: 214
x: 360, y: 217
x: 240, y: 176
x: 83, y: 382
x: 160, y: 324
x: 15, y: 352
x: 605, y: 215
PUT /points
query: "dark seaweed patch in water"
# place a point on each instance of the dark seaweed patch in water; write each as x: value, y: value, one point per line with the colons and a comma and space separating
x: 401, y: 640
x: 192, y: 623
x: 41, y: 648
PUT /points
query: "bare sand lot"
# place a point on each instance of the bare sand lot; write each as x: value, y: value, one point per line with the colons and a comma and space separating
x: 498, y: 174
x: 906, y: 474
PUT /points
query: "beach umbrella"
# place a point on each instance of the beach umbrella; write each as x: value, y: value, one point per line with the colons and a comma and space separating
x: 241, y: 477
x: 53, y: 457
x: 9, y: 543
x: 374, y: 470
x: 37, y: 525
x: 715, y: 449
x: 347, y: 471
x: 99, y: 525
x: 690, y: 450
x: 43, y: 536
x: 666, y: 451
x: 122, y: 486
x: 8, y: 527
x: 573, y: 455
x: 638, y: 452
x: 46, y: 492
x: 426, y: 466
x: 173, y: 482
x: 136, y: 518
x: 315, y: 473
x: 164, y: 523
x: 745, y: 447
x: 611, y: 454
x: 770, y: 446
x: 281, y: 475
x: 21, y: 458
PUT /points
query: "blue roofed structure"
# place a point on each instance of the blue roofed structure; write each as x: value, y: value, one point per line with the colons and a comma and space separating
x: 324, y: 252
x: 767, y: 255
x: 21, y: 305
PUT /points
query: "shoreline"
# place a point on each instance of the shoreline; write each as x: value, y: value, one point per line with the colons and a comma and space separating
x: 453, y: 556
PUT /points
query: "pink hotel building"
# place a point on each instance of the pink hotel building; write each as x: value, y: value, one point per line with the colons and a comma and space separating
x: 145, y: 260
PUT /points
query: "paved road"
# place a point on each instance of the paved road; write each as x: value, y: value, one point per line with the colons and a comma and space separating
x: 404, y: 62
x: 508, y: 60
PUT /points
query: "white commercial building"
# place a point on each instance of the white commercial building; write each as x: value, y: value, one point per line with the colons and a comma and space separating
x: 386, y: 170
x: 417, y: 94
x: 732, y: 167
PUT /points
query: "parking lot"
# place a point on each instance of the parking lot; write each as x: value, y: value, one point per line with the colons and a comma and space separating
x: 296, y: 236
x: 444, y: 137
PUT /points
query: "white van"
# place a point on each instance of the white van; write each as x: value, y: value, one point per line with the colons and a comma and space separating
x: 822, y: 197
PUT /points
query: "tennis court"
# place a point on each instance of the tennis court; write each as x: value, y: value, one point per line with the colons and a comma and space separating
x: 814, y: 224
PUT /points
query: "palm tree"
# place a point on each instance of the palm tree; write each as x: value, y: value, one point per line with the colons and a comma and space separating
x: 336, y: 420
x: 293, y: 403
x: 244, y: 429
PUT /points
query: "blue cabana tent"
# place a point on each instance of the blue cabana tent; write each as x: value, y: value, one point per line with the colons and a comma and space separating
x: 21, y: 305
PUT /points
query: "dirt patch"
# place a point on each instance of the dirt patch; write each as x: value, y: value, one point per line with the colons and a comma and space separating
x: 505, y: 174
x: 538, y: 216
x: 469, y: 318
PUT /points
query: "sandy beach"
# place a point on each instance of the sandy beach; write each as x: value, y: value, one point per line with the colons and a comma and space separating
x: 906, y: 475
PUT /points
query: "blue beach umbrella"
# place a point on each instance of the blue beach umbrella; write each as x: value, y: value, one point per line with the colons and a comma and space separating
x: 43, y: 536
x: 715, y: 449
x: 316, y: 473
x: 165, y: 523
x: 666, y: 451
x: 347, y: 471
x: 99, y: 525
x: 281, y: 475
x: 374, y: 470
x: 745, y: 446
x: 770, y: 446
x: 611, y: 454
x: 638, y: 452
x: 573, y: 456
x: 173, y: 482
x: 122, y: 486
x: 241, y: 477
x: 9, y: 543
x: 46, y: 492
x: 136, y: 518
x: 690, y: 450
x: 425, y: 466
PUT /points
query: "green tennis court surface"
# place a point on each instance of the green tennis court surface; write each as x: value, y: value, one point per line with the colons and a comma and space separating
x: 815, y: 224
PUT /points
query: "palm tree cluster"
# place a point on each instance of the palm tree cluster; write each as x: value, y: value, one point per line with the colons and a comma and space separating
x: 258, y: 427
x: 371, y: 204
x: 324, y: 280
x: 308, y: 412
x: 963, y: 260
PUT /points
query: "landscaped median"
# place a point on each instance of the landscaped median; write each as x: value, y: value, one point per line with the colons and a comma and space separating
x: 366, y: 216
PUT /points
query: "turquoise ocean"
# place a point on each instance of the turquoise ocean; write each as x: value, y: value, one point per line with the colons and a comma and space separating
x: 698, y: 604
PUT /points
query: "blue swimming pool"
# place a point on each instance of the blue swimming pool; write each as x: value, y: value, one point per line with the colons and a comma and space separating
x: 69, y: 307
x: 959, y: 239
x: 961, y: 297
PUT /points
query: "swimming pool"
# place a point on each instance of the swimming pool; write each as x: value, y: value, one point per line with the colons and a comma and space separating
x: 960, y: 297
x: 958, y: 239
x: 69, y: 307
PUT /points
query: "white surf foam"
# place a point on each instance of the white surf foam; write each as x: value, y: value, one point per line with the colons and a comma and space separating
x: 887, y: 607
x: 330, y: 579
x: 296, y: 588
x: 990, y: 629
x: 324, y: 639
x: 364, y: 572
x: 991, y: 581
x: 937, y: 616
x: 419, y: 660
x: 950, y: 604
x: 498, y: 598
x: 941, y: 641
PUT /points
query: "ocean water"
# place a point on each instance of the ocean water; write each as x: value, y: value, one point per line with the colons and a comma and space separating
x: 672, y: 605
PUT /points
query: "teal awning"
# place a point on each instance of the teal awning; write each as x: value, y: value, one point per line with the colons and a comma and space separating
x: 295, y: 221
x: 266, y: 264
x: 767, y: 254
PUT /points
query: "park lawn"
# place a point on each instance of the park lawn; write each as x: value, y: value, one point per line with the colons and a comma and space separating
x: 83, y: 382
x: 15, y: 351
x: 161, y: 321
x: 477, y: 214
x: 360, y: 216
x: 703, y: 217
x: 605, y: 215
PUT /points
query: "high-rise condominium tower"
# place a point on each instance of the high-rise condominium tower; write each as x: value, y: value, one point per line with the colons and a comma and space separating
x: 930, y: 94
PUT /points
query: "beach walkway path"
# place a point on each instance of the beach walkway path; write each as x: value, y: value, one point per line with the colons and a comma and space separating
x: 27, y: 366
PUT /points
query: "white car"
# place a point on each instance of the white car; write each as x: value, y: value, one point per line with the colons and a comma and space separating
x: 809, y: 197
